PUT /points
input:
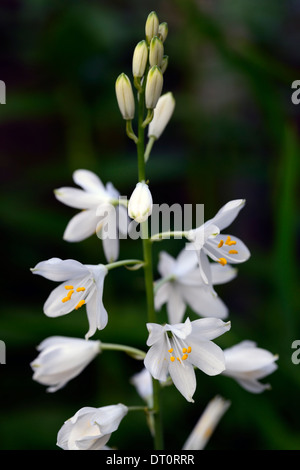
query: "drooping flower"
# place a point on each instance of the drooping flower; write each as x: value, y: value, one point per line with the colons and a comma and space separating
x: 184, y: 287
x: 61, y: 359
x: 207, y: 240
x: 140, y: 203
x: 91, y: 428
x: 162, y: 115
x: 206, y: 424
x: 247, y: 364
x: 94, y: 200
x: 81, y: 284
x: 176, y: 349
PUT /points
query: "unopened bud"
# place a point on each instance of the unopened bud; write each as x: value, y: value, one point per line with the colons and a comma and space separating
x: 162, y: 115
x: 164, y: 63
x: 153, y: 87
x: 140, y: 203
x: 125, y: 96
x: 156, y: 51
x: 163, y: 31
x: 139, y: 60
x: 151, y: 27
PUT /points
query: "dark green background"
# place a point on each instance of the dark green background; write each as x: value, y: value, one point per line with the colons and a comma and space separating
x: 234, y: 134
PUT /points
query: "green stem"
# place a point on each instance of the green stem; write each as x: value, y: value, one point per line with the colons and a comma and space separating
x: 124, y: 262
x: 148, y: 269
x: 161, y: 282
x: 137, y: 353
x: 130, y: 132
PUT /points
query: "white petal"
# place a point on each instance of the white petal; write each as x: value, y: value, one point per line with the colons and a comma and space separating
x: 111, y: 247
x: 209, y: 328
x: 156, y: 333
x: 186, y: 261
x: 81, y: 226
x: 122, y: 220
x: 55, y: 307
x: 60, y: 270
x: 226, y: 215
x: 77, y: 198
x: 109, y: 417
x: 156, y: 361
x: 204, y: 302
x: 176, y: 305
x: 89, y: 181
x: 181, y: 330
x: 222, y: 274
x: 207, y: 356
x: 183, y: 377
x: 166, y: 264
x: 204, y: 266
x: 162, y: 295
x: 242, y: 255
x: 247, y: 359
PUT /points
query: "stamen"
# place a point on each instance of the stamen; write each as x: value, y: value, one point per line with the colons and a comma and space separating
x: 65, y: 299
x: 232, y: 242
x: 221, y: 243
x: 232, y: 252
x: 184, y: 357
x: 184, y: 350
x: 228, y: 240
x: 80, y: 304
x: 189, y: 349
x: 172, y: 358
x: 222, y: 261
x: 170, y: 350
x: 69, y: 287
x: 80, y: 289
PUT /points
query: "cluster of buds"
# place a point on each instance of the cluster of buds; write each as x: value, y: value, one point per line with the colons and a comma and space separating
x: 149, y: 63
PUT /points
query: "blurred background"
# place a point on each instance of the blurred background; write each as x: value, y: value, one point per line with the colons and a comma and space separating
x: 234, y: 134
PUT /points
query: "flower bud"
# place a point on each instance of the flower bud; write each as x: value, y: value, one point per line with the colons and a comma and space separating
x: 164, y: 63
x: 125, y: 96
x: 151, y: 27
x: 153, y: 87
x: 156, y: 51
x: 139, y: 60
x: 140, y: 203
x: 163, y: 31
x: 162, y: 114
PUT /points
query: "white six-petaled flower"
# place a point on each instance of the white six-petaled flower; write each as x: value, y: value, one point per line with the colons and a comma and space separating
x: 90, y: 428
x: 81, y: 284
x: 247, y: 364
x: 181, y: 285
x: 140, y: 203
x: 207, y: 240
x: 61, y: 359
x: 176, y: 349
x: 96, y: 201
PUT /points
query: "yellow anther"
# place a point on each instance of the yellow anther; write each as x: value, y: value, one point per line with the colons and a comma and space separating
x: 170, y: 350
x: 184, y: 357
x: 80, y: 289
x: 232, y: 242
x: 69, y: 287
x: 232, y: 252
x: 70, y: 293
x: 65, y: 299
x: 189, y: 349
x: 172, y: 358
x: 221, y: 243
x: 184, y: 350
x: 222, y: 261
x: 228, y: 240
x: 178, y: 359
x: 80, y: 304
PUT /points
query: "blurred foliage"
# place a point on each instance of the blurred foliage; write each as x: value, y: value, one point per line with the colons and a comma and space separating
x: 234, y: 134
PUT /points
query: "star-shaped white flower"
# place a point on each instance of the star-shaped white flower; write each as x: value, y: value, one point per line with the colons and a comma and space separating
x: 91, y: 428
x: 184, y: 286
x: 176, y: 349
x: 97, y: 202
x: 81, y: 284
x: 61, y: 359
x: 247, y: 364
x: 207, y: 240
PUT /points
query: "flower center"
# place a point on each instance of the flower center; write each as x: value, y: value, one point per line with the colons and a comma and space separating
x: 178, y: 351
x: 71, y: 292
x: 228, y: 242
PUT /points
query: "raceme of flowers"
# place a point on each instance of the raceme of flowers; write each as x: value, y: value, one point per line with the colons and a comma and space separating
x: 187, y: 283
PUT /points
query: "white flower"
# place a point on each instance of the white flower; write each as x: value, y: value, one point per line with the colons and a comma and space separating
x: 176, y: 349
x: 162, y: 115
x: 247, y: 364
x: 82, y: 284
x: 206, y: 424
x: 185, y: 287
x: 61, y: 359
x: 140, y: 203
x: 91, y: 428
x: 94, y: 199
x: 207, y: 240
